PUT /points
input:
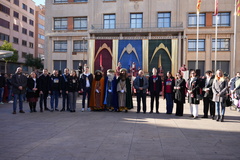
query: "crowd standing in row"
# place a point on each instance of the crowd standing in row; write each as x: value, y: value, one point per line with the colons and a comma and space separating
x: 114, y: 93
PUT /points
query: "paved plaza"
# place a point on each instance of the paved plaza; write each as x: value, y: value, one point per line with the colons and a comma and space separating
x: 117, y: 135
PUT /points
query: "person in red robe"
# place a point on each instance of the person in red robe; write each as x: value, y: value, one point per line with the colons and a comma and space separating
x: 97, y: 92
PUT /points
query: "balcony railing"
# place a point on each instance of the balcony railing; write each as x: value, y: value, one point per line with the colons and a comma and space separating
x: 121, y: 27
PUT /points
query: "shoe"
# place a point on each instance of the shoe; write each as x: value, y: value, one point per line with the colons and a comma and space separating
x: 89, y: 110
x: 56, y: 109
x: 222, y: 118
x: 10, y: 102
x: 191, y: 116
x: 213, y: 117
x: 126, y: 111
x: 34, y: 110
x: 51, y: 110
x: 144, y: 112
x: 14, y: 112
x: 204, y: 117
x: 150, y: 112
x: 218, y: 117
x: 41, y: 110
x: 74, y: 110
x: 46, y: 109
x: 137, y: 112
x: 21, y: 111
x: 83, y: 109
x: 62, y: 110
x: 195, y: 117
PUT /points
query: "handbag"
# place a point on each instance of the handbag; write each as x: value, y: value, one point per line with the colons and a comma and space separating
x: 229, y: 101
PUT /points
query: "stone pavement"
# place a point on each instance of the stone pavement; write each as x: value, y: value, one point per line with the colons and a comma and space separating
x: 117, y: 136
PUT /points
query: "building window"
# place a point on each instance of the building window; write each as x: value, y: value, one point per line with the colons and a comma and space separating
x: 24, y: 19
x: 80, y: 46
x: 201, y: 66
x: 80, y: 0
x: 24, y: 6
x: 30, y: 45
x: 80, y: 23
x: 24, y: 43
x: 4, y: 9
x: 15, y: 40
x: 223, y: 19
x: 4, y: 37
x: 31, y: 33
x: 192, y: 45
x: 24, y: 30
x: 164, y: 20
x: 223, y: 65
x: 109, y: 21
x: 60, y: 46
x: 4, y: 23
x: 41, y: 17
x: 192, y: 20
x: 15, y: 14
x: 60, y: 23
x: 136, y: 20
x: 24, y: 54
x: 16, y: 2
x: 31, y: 11
x: 60, y: 1
x: 60, y: 65
x: 41, y: 26
x: 41, y: 36
x: 222, y: 44
x: 31, y: 22
x: 15, y: 27
x: 40, y: 45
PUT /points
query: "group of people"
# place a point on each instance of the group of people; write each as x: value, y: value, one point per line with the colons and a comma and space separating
x: 113, y: 92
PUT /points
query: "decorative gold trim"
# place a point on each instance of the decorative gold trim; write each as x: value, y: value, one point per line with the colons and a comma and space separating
x: 129, y: 49
x: 161, y: 46
x: 104, y: 46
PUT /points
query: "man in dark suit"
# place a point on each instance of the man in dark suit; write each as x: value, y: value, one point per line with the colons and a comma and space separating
x: 85, y: 85
x: 64, y: 82
x: 44, y: 82
x: 141, y: 86
x: 155, y: 87
x: 208, y: 95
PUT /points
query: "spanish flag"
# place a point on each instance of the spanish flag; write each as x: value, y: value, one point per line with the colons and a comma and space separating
x: 216, y: 8
x: 238, y: 7
x: 199, y: 5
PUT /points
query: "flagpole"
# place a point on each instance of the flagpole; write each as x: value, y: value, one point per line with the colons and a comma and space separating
x: 235, y: 38
x: 216, y: 31
x: 197, y: 40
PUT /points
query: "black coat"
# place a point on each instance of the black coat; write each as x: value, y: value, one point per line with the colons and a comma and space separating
x: 19, y: 80
x: 2, y: 81
x: 158, y: 84
x: 30, y: 86
x: 44, y: 82
x: 83, y: 81
x: 73, y: 84
x: 179, y: 94
x: 209, y: 85
x: 64, y: 81
x: 194, y: 86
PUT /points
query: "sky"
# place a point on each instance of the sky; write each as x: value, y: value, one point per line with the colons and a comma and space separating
x: 39, y: 2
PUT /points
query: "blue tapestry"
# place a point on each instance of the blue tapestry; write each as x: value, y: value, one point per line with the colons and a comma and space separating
x: 130, y: 51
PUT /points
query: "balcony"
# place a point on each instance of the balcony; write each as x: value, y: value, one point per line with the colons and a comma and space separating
x: 146, y: 27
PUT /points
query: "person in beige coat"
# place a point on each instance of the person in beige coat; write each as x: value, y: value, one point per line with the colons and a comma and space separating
x: 219, y: 88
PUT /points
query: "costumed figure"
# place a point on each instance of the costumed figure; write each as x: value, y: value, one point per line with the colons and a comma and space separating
x: 110, y: 100
x: 119, y: 66
x: 124, y: 91
x: 97, y: 92
x: 133, y: 69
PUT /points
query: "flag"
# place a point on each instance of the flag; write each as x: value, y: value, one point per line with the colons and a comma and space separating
x: 238, y: 7
x: 216, y: 8
x: 199, y: 5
